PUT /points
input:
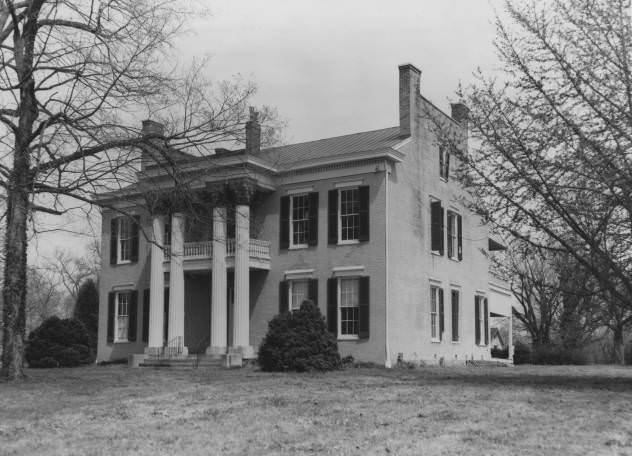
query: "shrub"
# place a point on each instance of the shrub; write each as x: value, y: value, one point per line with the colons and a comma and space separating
x: 87, y: 309
x: 500, y: 352
x: 299, y: 341
x: 59, y: 343
x: 522, y: 353
x: 551, y: 354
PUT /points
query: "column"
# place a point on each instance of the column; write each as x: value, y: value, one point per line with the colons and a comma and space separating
x: 156, y: 285
x: 219, y: 336
x: 510, y: 347
x: 241, y: 321
x: 176, y: 281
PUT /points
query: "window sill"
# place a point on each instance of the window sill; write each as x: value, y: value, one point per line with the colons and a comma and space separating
x: 455, y: 259
x: 348, y: 337
x: 436, y: 253
x: 120, y: 262
x: 349, y: 242
x: 435, y: 341
x: 298, y: 247
x: 118, y: 342
x: 456, y: 342
x: 444, y: 179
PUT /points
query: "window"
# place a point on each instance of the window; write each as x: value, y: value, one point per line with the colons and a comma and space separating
x: 444, y: 162
x: 436, y: 227
x: 455, y: 248
x: 299, y: 222
x: 348, y: 290
x: 122, y: 316
x: 124, y: 240
x: 436, y: 313
x: 349, y: 215
x: 455, y: 315
x: 481, y: 320
x: 299, y: 292
x: 293, y: 292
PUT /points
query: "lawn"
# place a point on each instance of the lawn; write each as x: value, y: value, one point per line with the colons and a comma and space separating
x: 475, y: 411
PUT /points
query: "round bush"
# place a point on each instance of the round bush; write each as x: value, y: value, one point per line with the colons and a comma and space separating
x: 299, y: 341
x: 59, y: 343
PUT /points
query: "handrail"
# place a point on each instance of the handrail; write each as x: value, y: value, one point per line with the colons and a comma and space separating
x: 257, y: 248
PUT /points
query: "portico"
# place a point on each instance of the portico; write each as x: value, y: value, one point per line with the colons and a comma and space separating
x: 175, y: 256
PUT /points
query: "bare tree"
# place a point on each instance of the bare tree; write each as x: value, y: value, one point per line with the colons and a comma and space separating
x: 76, y: 76
x: 551, y: 148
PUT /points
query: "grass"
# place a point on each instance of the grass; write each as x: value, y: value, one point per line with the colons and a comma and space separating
x: 524, y: 410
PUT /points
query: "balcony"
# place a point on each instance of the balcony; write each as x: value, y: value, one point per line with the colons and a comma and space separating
x: 198, y: 255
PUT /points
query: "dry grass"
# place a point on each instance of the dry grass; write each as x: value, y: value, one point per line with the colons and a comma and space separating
x: 474, y: 411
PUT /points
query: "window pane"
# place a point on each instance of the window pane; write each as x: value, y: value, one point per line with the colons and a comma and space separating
x: 434, y: 319
x: 299, y: 293
x: 349, y: 310
x: 125, y: 239
x: 122, y: 318
x: 349, y: 214
x: 300, y: 219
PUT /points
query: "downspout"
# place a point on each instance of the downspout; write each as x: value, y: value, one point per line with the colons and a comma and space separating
x: 387, y: 361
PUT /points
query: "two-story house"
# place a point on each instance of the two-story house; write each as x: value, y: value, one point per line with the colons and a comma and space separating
x: 371, y: 226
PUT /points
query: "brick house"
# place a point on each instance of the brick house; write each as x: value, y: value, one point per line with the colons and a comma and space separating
x: 371, y: 226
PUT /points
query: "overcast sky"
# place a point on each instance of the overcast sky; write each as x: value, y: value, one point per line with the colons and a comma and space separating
x: 330, y: 67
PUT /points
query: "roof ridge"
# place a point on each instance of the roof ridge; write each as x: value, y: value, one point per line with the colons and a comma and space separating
x: 330, y: 137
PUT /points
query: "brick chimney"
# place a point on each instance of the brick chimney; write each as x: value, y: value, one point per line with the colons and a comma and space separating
x: 461, y: 114
x: 409, y: 80
x: 253, y: 133
x: 156, y: 130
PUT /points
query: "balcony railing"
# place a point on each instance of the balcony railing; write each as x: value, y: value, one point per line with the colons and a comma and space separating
x: 202, y: 250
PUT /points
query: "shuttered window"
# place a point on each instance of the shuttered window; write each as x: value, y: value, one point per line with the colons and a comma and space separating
x: 444, y: 162
x: 348, y: 307
x: 435, y: 313
x: 348, y: 215
x: 299, y: 220
x: 454, y: 298
x: 124, y: 240
x: 477, y: 320
x: 436, y: 227
x: 122, y: 316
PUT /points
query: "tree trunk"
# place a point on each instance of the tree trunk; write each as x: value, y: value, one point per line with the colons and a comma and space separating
x: 619, y: 345
x: 14, y: 289
x: 19, y: 187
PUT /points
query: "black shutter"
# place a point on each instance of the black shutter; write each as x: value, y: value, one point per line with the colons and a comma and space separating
x: 455, y: 315
x: 332, y: 233
x: 313, y: 290
x: 363, y: 195
x: 363, y: 295
x: 332, y: 306
x: 166, y: 318
x: 284, y: 230
x: 441, y: 315
x: 145, y: 335
x: 114, y: 240
x: 477, y: 319
x: 111, y: 304
x: 312, y: 231
x: 441, y: 161
x: 451, y: 245
x: 441, y: 235
x: 284, y: 291
x: 486, y: 321
x: 133, y: 316
x: 447, y: 165
x: 435, y: 226
x: 135, y: 233
x: 459, y: 222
